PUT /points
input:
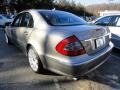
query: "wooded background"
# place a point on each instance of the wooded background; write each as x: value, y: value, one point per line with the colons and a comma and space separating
x: 66, y: 5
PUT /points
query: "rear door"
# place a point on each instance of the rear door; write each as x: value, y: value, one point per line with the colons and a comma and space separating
x: 26, y: 27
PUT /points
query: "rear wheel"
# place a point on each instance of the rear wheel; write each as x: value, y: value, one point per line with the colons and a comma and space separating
x: 34, y: 60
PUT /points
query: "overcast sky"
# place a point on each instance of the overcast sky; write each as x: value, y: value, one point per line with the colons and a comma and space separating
x: 89, y: 2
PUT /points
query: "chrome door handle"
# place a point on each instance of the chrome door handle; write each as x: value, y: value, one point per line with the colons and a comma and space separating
x: 26, y: 33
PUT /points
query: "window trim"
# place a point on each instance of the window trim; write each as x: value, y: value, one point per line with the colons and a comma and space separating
x: 30, y: 17
x: 19, y: 15
x: 103, y: 18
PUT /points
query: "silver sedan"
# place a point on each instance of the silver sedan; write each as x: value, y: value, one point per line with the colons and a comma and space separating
x: 59, y: 41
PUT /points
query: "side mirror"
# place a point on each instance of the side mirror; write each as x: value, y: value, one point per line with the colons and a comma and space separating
x: 8, y: 24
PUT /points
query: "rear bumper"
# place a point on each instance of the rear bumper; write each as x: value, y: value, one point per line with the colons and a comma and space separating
x: 79, y: 69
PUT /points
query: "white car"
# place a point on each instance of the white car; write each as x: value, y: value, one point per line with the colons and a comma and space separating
x: 113, y: 24
x: 4, y: 19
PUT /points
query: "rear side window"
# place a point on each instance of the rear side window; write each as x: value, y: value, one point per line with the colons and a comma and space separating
x: 27, y: 20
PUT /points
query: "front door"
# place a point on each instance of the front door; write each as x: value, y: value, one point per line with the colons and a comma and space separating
x: 14, y: 29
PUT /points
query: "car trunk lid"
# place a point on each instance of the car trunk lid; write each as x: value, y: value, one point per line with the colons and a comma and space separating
x: 93, y: 38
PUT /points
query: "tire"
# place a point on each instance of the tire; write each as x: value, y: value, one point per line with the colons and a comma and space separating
x: 34, y: 60
x: 7, y: 40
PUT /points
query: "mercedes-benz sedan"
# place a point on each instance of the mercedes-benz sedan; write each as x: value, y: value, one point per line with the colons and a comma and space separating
x: 59, y: 41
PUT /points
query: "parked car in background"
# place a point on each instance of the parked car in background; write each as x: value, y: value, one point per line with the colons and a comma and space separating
x: 59, y: 41
x: 113, y: 24
x: 5, y: 19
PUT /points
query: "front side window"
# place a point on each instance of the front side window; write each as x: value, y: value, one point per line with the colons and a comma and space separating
x: 117, y: 21
x: 62, y: 18
x: 16, y: 21
x: 104, y: 21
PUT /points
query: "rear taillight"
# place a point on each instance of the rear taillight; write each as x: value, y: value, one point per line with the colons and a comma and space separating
x: 70, y: 46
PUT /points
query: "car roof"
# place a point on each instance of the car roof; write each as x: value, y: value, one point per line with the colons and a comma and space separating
x: 105, y: 16
x: 111, y: 15
x: 43, y: 10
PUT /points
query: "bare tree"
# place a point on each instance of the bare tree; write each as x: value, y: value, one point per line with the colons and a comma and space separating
x: 95, y: 9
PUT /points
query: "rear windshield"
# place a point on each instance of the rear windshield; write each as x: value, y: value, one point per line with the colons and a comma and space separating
x: 62, y: 18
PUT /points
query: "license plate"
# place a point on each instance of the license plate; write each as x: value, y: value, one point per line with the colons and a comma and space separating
x: 100, y: 42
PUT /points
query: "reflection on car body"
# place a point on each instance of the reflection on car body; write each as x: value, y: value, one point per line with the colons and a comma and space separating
x: 59, y: 41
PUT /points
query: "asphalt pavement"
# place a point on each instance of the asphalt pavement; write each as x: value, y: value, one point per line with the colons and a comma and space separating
x: 15, y: 73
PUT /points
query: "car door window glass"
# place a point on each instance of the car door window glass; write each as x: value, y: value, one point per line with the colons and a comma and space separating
x: 30, y: 25
x: 27, y: 21
x: 104, y: 21
x: 24, y: 21
x: 16, y: 22
x: 118, y: 21
x: 112, y: 21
